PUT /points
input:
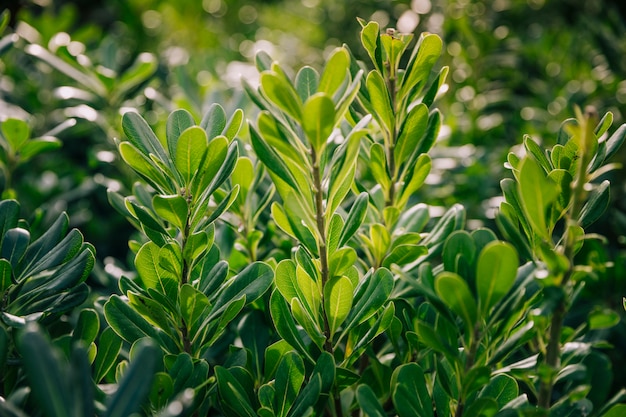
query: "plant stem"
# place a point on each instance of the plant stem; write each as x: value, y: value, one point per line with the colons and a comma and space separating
x: 553, y: 349
x: 391, y: 158
x: 321, y: 228
x: 335, y: 410
x: 469, y: 363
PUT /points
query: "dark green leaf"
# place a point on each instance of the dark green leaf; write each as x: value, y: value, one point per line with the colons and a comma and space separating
x: 47, y: 372
x: 410, y: 394
x: 368, y: 402
x: 233, y: 394
x: 109, y: 346
x: 14, y: 245
x: 596, y: 204
x: 135, y: 385
x: 177, y: 122
x: 87, y: 327
x: 126, y: 322
x: 288, y: 380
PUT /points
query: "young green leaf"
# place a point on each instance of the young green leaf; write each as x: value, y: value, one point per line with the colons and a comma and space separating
x: 495, y: 274
x: 280, y: 92
x: 335, y: 72
x: 318, y: 120
x: 177, y: 122
x: 455, y: 293
x: 190, y: 149
x: 381, y: 102
x: 537, y: 192
x: 16, y: 132
x: 338, y: 294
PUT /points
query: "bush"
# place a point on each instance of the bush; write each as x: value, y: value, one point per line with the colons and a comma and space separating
x: 286, y: 266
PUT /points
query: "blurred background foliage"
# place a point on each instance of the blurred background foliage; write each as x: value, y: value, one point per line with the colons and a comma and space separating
x: 517, y: 67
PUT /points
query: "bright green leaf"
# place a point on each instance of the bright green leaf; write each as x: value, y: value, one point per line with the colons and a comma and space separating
x: 338, y: 295
x: 495, y: 273
x: 455, y: 293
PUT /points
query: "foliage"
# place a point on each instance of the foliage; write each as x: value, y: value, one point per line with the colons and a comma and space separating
x: 289, y: 266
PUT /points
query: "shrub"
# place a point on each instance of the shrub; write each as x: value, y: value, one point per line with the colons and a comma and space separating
x: 286, y: 267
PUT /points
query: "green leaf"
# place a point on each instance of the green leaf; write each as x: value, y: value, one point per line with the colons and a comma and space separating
x: 39, y: 145
x: 214, y: 121
x: 243, y: 175
x: 423, y: 58
x: 280, y: 92
x: 177, y: 122
x: 14, y: 245
x: 368, y: 402
x: 87, y: 327
x: 411, y: 132
x: 495, y: 273
x: 285, y: 324
x: 335, y: 72
x: 251, y: 282
x: 537, y: 193
x: 381, y: 102
x: 146, y: 262
x: 617, y: 410
x: 355, y: 218
x: 318, y: 120
x: 502, y: 388
x: 370, y: 38
x: 338, y: 295
x: 615, y: 141
x: 371, y: 294
x: 126, y: 322
x: 6, y: 274
x: 596, y: 205
x: 143, y: 166
x: 288, y: 380
x: 190, y: 149
x: 404, y: 254
x: 410, y: 394
x: 535, y: 150
x: 341, y: 260
x: 307, y: 81
x: 142, y: 136
x: 134, y: 388
x: 171, y: 208
x: 16, y: 132
x: 47, y: 373
x: 271, y: 159
x: 455, y: 293
x: 234, y: 125
x: 194, y: 305
x: 415, y: 178
x: 109, y: 346
x: 233, y: 394
x: 308, y: 398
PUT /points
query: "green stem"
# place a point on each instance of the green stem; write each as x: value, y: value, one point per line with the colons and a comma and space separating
x: 321, y: 229
x: 469, y: 363
x: 553, y: 350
